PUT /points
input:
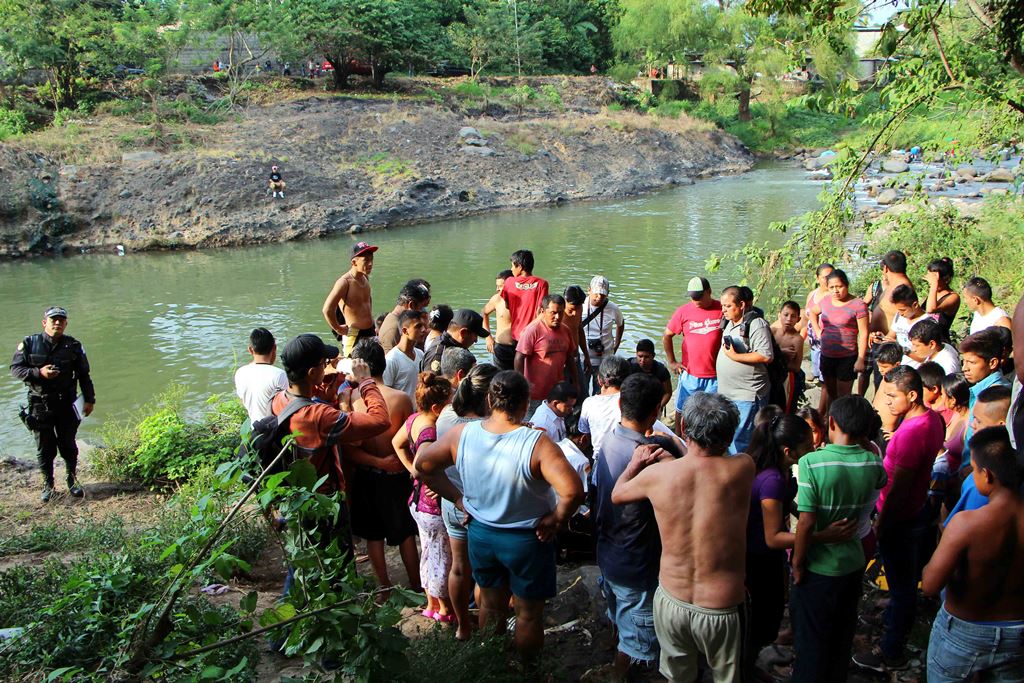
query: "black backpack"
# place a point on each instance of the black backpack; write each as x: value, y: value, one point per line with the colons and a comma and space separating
x: 268, y: 433
x: 778, y: 369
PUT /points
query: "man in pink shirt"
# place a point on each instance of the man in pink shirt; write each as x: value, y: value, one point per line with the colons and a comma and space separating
x: 523, y: 292
x: 543, y: 349
x: 699, y: 322
x: 900, y: 524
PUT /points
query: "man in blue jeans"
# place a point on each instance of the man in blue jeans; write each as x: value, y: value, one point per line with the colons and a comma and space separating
x: 980, y: 563
x: 742, y: 365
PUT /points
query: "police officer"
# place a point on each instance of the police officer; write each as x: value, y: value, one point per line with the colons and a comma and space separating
x: 51, y: 364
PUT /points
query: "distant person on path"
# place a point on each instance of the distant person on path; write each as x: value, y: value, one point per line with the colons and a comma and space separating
x: 980, y: 563
x: 791, y: 343
x: 700, y: 504
x: 603, y: 326
x: 380, y: 483
x: 837, y: 483
x: 978, y: 297
x: 519, y: 490
x: 742, y: 364
x: 259, y: 381
x: 53, y: 365
x: 351, y: 296
x: 700, y: 324
x: 276, y: 182
x: 465, y: 328
x: 841, y: 322
x: 544, y: 349
x: 942, y: 300
x: 414, y: 296
x: 814, y: 298
x: 500, y: 344
x: 645, y: 362
x: 405, y: 359
x: 523, y: 292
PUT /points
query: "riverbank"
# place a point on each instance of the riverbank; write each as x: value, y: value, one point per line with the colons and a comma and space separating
x: 350, y: 163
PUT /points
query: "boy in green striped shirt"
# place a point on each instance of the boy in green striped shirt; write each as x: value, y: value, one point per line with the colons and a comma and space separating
x: 838, y: 482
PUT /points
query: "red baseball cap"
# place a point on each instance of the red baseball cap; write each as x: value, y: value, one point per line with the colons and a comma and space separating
x: 362, y: 249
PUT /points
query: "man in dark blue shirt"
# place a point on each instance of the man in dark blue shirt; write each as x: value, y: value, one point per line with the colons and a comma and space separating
x: 628, y: 544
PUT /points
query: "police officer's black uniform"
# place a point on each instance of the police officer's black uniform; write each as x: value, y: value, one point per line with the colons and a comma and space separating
x: 51, y: 412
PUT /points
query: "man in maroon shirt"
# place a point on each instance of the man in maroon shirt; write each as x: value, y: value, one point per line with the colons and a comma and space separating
x: 322, y: 426
x: 523, y: 292
x: 544, y: 348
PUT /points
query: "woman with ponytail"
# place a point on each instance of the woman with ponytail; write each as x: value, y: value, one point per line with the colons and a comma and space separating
x: 777, y: 443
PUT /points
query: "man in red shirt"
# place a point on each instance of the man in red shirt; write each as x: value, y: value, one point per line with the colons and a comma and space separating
x: 700, y: 324
x: 543, y: 349
x: 523, y: 292
x: 322, y: 426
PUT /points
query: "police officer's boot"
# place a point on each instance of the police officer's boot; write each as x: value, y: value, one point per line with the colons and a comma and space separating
x: 73, y: 488
x: 47, y: 491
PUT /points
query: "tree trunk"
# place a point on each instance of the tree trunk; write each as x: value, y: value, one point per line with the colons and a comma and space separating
x: 340, y: 71
x: 744, y: 98
x: 377, y: 73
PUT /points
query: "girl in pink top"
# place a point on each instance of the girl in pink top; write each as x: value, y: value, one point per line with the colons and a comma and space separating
x: 432, y: 394
x: 841, y: 322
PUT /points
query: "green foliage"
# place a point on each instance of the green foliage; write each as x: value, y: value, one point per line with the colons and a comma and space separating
x: 61, y: 537
x: 486, y: 659
x: 12, y: 122
x: 159, y: 445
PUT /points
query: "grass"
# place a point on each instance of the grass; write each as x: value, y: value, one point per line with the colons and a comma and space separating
x: 382, y: 168
x: 109, y: 533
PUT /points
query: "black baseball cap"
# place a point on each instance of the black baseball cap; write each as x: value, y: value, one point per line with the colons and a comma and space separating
x: 306, y: 351
x: 470, y: 319
x: 56, y: 312
x: 362, y: 249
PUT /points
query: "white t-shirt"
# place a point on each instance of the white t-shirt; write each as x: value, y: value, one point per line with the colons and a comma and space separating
x: 980, y: 322
x: 402, y: 372
x: 603, y: 327
x: 545, y: 418
x: 257, y: 384
x: 900, y: 326
x: 947, y: 357
x: 600, y: 414
x: 579, y: 462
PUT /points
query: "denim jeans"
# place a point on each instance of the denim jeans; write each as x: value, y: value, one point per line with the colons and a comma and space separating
x: 899, y: 546
x: 632, y: 612
x: 958, y: 649
x: 748, y: 412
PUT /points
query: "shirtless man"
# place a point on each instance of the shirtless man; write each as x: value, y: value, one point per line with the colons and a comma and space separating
x: 700, y: 503
x: 791, y: 342
x: 500, y: 344
x: 980, y: 563
x: 351, y: 294
x: 879, y: 301
x: 380, y: 483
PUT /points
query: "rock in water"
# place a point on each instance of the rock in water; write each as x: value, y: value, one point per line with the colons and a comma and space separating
x: 1000, y: 175
x: 895, y: 166
x: 886, y: 197
x: 966, y: 171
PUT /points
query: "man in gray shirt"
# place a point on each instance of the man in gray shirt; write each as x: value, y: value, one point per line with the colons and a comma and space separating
x: 742, y: 363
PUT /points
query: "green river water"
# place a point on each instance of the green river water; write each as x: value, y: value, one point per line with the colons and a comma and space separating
x: 149, y: 320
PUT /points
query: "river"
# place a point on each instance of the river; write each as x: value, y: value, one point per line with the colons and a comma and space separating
x: 148, y: 320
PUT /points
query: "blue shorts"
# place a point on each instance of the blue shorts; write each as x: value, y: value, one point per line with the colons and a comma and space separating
x: 453, y: 517
x: 512, y: 558
x: 688, y: 384
x: 632, y: 612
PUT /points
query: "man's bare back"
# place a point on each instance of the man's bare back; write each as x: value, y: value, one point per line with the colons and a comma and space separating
x: 378, y: 451
x: 987, y: 547
x: 502, y: 319
x: 701, y: 504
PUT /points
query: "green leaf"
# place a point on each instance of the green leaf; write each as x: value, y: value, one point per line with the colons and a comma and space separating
x: 302, y: 474
x: 248, y: 603
x: 211, y: 673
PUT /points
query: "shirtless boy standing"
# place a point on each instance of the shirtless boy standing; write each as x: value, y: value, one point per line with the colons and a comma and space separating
x: 500, y: 344
x: 879, y: 301
x: 791, y: 342
x: 980, y: 563
x: 351, y: 294
x: 700, y: 504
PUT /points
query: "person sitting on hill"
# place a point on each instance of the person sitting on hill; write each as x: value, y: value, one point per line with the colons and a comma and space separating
x: 276, y: 182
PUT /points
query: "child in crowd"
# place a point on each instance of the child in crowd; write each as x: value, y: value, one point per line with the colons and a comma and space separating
x: 888, y: 356
x: 814, y: 420
x: 791, y: 342
x: 952, y: 405
x: 980, y: 564
x: 927, y: 344
x: 989, y: 410
x: 982, y: 356
x: 932, y: 375
x: 432, y: 395
x: 839, y: 482
x: 550, y: 414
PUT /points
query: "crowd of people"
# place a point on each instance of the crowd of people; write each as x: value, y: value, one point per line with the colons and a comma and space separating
x: 704, y: 531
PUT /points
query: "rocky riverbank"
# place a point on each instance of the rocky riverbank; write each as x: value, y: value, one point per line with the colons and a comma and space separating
x: 350, y: 164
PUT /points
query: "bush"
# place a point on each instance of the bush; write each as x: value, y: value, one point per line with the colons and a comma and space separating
x: 625, y: 72
x: 12, y: 122
x: 158, y: 446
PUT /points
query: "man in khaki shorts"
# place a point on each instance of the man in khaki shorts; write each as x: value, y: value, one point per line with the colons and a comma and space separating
x: 701, y: 503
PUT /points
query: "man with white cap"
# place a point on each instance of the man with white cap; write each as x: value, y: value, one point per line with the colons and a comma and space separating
x: 603, y: 326
x: 699, y: 323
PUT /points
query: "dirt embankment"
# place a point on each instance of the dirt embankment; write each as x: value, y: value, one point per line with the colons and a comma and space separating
x: 350, y: 164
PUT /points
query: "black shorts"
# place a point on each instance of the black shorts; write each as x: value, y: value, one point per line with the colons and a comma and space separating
x: 840, y: 368
x: 504, y: 356
x: 380, y: 506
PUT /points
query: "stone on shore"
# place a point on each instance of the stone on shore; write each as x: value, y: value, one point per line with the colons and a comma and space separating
x: 886, y: 197
x: 895, y: 166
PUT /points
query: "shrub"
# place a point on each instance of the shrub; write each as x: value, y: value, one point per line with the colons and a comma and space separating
x: 12, y: 122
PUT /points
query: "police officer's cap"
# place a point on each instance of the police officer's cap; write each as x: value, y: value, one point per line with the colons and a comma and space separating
x: 56, y: 312
x: 306, y: 351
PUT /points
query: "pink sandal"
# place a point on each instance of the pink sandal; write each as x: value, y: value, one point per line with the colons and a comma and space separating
x: 444, y: 618
x: 429, y: 614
